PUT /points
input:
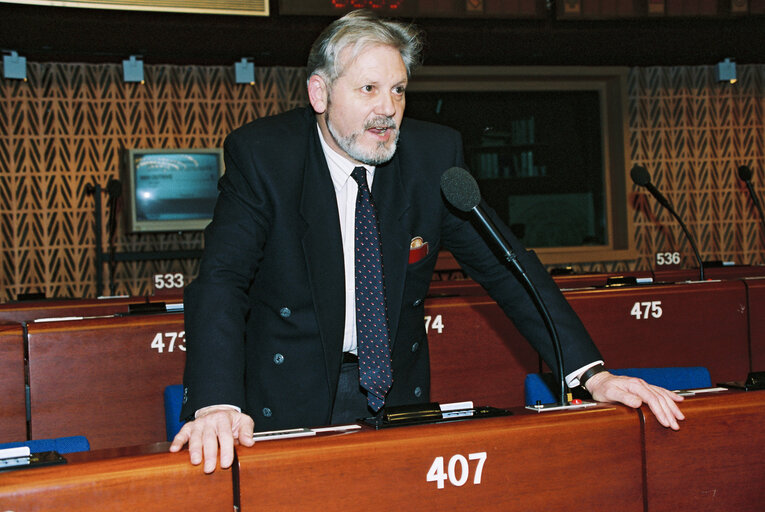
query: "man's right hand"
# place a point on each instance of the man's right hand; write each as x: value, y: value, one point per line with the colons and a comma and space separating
x: 215, y: 427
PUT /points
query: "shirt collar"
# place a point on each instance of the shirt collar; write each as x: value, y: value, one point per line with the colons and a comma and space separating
x: 340, y: 168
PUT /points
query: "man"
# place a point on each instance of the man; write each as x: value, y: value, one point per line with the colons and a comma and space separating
x: 271, y: 321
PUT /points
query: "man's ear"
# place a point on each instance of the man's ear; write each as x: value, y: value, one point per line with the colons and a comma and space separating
x: 318, y: 93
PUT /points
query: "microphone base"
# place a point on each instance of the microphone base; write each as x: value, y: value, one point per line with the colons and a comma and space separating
x: 558, y: 407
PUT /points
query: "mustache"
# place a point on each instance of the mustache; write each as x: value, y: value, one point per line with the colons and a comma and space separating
x: 381, y: 122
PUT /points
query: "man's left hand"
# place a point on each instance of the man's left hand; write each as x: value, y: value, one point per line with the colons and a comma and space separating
x: 633, y: 392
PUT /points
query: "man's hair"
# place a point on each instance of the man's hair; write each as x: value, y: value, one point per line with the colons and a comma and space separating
x: 357, y: 31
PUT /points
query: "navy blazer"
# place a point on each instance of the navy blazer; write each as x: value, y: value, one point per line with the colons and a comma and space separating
x: 265, y: 316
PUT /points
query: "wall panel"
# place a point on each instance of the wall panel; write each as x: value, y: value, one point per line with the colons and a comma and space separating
x: 62, y: 130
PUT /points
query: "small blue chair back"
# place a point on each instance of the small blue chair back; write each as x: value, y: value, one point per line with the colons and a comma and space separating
x: 173, y: 404
x: 61, y: 445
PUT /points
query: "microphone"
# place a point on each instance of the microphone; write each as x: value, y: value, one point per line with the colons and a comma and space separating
x: 461, y: 191
x: 641, y: 178
x: 745, y: 173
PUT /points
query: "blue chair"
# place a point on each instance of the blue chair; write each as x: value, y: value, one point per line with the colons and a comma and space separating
x: 61, y: 445
x: 542, y: 386
x: 173, y: 404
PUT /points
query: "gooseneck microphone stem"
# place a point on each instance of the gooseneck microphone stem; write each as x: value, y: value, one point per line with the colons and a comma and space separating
x: 461, y: 191
x: 642, y: 178
x: 690, y: 241
x: 745, y: 173
x: 520, y: 273
x: 756, y: 204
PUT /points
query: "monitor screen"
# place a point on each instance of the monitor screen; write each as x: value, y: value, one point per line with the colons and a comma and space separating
x: 171, y: 189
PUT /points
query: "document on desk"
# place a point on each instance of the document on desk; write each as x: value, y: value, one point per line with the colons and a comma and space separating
x: 303, y: 432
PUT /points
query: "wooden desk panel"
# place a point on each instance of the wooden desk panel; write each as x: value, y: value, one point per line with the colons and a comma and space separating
x: 478, y: 354
x: 715, y: 462
x: 596, y: 279
x: 533, y: 462
x: 468, y: 287
x: 13, y: 411
x: 755, y: 290
x: 720, y: 273
x: 137, y: 479
x: 27, y: 311
x: 701, y: 324
x: 102, y: 378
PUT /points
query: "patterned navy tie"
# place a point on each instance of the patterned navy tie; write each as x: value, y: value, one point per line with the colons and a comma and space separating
x: 375, y: 373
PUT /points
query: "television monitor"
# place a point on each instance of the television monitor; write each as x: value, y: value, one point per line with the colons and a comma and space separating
x: 170, y: 189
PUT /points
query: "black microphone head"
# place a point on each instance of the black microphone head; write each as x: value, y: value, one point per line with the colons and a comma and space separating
x: 114, y: 188
x: 640, y: 176
x: 460, y: 189
x: 745, y: 173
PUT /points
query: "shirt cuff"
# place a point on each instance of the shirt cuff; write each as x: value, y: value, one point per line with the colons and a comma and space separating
x: 572, y: 379
x: 221, y: 406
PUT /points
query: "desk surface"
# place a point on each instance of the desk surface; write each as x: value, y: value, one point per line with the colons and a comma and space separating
x: 604, y: 458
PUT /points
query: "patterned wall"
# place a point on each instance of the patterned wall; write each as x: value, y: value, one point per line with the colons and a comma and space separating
x: 691, y: 133
x: 62, y: 130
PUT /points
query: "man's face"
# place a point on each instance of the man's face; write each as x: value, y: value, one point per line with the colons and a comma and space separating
x: 365, y: 106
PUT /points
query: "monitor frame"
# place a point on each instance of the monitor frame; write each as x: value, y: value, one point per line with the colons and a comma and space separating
x: 128, y: 169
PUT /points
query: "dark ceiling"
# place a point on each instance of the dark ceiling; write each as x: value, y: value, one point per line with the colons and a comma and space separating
x: 89, y: 35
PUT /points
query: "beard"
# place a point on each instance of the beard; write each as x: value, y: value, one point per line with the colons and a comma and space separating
x: 376, y: 155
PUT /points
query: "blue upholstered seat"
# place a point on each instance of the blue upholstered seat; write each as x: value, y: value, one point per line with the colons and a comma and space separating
x: 173, y: 404
x: 60, y: 445
x: 541, y: 386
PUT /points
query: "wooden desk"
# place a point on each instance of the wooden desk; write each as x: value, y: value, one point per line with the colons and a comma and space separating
x: 476, y: 353
x: 720, y: 273
x: 133, y: 479
x: 13, y: 411
x: 697, y: 324
x: 468, y: 287
x: 604, y: 458
x: 104, y: 378
x: 27, y: 311
x: 532, y: 461
x: 715, y: 462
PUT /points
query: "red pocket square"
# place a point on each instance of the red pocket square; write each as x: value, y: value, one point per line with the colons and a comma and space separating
x: 417, y: 249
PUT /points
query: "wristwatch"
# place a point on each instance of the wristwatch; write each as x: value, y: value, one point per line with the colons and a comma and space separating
x: 591, y: 372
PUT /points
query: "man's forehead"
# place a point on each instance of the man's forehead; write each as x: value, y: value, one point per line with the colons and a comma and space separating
x: 356, y: 61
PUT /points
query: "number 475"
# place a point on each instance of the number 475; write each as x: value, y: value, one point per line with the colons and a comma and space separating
x: 642, y: 310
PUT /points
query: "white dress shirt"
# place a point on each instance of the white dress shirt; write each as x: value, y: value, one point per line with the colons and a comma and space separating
x: 346, y: 189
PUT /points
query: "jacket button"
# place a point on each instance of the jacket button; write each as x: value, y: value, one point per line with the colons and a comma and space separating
x: 415, y: 346
x: 416, y: 303
x: 278, y: 358
x: 418, y: 391
x: 267, y: 412
x: 285, y: 312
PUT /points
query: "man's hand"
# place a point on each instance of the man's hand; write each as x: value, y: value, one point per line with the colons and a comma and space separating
x: 633, y: 392
x: 213, y: 427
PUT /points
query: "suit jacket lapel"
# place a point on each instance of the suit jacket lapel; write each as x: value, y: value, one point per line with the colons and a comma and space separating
x: 323, y: 248
x: 392, y: 203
